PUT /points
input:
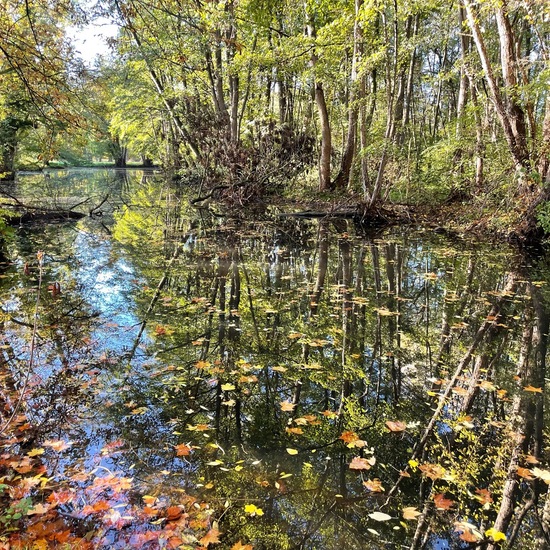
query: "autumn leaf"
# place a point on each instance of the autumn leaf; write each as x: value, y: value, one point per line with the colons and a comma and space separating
x: 532, y: 389
x: 380, y: 516
x: 442, y: 503
x: 541, y: 474
x: 228, y: 387
x: 198, y: 428
x: 433, y: 471
x: 525, y: 473
x: 253, y: 510
x: 240, y: 546
x: 484, y: 496
x: 410, y: 512
x: 374, y: 485
x: 210, y: 538
x: 497, y: 536
x: 39, y: 509
x: 292, y: 451
x: 182, y: 450
x: 295, y: 431
x: 396, y: 426
x: 287, y: 406
x: 359, y: 463
x: 349, y: 437
x: 173, y: 513
x: 57, y: 445
x: 36, y: 452
x: 469, y: 532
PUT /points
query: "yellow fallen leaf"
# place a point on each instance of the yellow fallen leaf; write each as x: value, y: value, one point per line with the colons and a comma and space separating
x: 36, y: 452
x: 292, y: 451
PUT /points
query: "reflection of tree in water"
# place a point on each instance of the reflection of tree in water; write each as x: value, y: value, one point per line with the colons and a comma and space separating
x: 237, y: 319
x: 362, y: 329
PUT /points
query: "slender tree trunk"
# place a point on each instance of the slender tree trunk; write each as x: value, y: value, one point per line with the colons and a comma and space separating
x: 322, y: 110
x: 326, y: 139
x: 343, y: 178
x: 518, y: 151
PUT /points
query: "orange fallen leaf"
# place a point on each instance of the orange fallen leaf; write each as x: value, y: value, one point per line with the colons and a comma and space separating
x: 240, y: 546
x: 210, y: 538
x: 532, y: 389
x: 287, y: 406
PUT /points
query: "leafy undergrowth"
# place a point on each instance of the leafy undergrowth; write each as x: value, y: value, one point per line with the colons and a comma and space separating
x: 42, y: 508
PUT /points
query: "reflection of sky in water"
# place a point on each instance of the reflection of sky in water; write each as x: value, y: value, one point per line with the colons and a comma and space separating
x: 108, y: 281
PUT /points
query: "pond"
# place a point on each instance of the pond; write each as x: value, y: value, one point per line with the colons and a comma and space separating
x: 176, y: 377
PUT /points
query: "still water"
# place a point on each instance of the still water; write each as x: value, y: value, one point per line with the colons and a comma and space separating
x: 311, y: 384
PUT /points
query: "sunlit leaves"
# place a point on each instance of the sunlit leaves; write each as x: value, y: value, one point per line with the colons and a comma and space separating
x: 287, y: 406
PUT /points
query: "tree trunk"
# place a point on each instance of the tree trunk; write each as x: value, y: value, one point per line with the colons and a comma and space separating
x: 343, y: 178
x: 510, y: 124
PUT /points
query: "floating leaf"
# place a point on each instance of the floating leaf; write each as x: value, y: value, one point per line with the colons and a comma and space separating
x: 374, y: 485
x: 410, y: 512
x: 497, y: 536
x: 295, y: 431
x: 349, y: 437
x: 173, y: 513
x: 228, y: 387
x: 292, y: 451
x: 57, y: 445
x: 253, y: 510
x: 287, y: 406
x: 433, y: 471
x: 183, y: 450
x: 380, y: 516
x: 442, y: 503
x: 210, y: 538
x: 359, y: 463
x: 396, y: 426
x: 525, y: 473
x: 470, y: 532
x: 532, y: 389
x: 542, y: 474
x: 36, y: 452
x: 484, y: 496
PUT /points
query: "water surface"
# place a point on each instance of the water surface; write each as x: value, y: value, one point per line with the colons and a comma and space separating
x: 359, y: 390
